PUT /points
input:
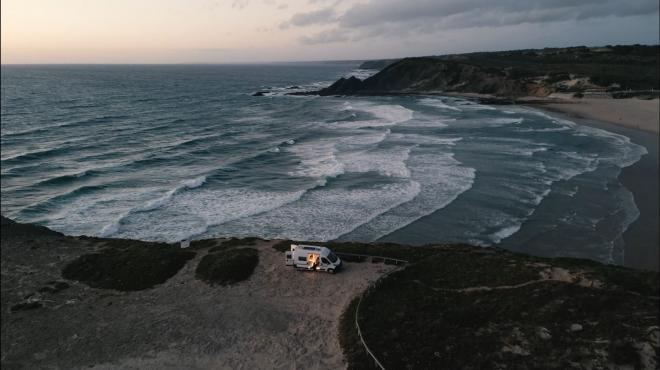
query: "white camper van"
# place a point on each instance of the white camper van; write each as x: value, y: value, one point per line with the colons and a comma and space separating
x: 311, y: 257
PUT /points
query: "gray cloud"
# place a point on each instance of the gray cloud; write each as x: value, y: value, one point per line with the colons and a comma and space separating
x: 485, y: 12
x: 400, y: 18
x: 240, y: 4
x: 326, y: 37
x: 321, y: 16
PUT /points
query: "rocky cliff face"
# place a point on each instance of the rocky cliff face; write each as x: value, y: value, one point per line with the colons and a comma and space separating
x: 510, y: 74
x: 426, y: 75
x: 377, y: 64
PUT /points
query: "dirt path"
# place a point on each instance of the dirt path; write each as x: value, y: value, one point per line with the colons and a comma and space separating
x: 278, y: 319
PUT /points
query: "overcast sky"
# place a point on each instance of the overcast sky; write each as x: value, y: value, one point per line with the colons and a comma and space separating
x: 231, y: 31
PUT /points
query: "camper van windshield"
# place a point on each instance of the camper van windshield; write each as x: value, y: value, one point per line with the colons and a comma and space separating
x: 332, y: 257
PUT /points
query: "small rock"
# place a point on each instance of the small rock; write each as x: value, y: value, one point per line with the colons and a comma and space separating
x: 654, y: 335
x: 25, y: 306
x: 54, y: 287
x: 516, y: 350
x: 260, y: 93
x: 543, y: 333
x: 576, y: 327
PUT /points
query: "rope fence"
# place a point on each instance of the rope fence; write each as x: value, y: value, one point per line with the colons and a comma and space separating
x: 357, y: 309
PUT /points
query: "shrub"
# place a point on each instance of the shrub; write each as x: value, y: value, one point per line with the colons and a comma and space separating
x: 132, y: 268
x: 227, y: 267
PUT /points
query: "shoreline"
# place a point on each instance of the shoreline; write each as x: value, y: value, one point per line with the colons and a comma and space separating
x: 631, y: 113
x: 641, y: 179
x: 641, y: 241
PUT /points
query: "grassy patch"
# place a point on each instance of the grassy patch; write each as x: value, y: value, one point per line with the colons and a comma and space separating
x: 128, y: 267
x: 227, y: 267
x: 416, y: 319
x: 203, y: 244
x: 284, y: 245
x: 349, y: 340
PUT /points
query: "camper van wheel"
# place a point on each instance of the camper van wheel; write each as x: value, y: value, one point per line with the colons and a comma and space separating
x: 332, y: 271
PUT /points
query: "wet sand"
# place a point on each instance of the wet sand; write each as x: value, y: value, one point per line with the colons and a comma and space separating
x: 633, y: 113
x: 642, y: 242
x: 641, y: 238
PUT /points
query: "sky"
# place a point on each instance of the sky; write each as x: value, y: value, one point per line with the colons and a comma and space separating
x: 259, y: 31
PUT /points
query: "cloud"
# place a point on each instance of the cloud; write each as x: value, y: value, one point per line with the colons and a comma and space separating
x: 470, y: 13
x: 325, y: 37
x: 400, y: 18
x: 240, y: 4
x: 321, y: 16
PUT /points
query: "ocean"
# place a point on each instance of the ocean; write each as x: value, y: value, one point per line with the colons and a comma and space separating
x: 177, y: 152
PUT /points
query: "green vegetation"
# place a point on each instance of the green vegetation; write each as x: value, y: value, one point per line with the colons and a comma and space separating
x: 203, y: 244
x: 535, y: 72
x: 420, y: 317
x: 349, y: 340
x: 233, y: 243
x: 128, y: 265
x: 631, y: 66
x: 217, y: 245
x: 227, y: 267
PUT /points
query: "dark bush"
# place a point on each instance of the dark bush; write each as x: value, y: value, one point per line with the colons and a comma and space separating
x: 227, y: 267
x: 127, y: 269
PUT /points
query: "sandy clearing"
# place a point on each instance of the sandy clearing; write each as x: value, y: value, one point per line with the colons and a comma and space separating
x: 278, y: 319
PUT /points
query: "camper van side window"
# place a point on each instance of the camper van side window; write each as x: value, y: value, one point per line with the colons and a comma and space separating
x: 302, y: 259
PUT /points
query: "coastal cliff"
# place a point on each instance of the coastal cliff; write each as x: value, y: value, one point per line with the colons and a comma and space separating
x: 620, y: 71
x: 73, y: 302
x: 416, y: 75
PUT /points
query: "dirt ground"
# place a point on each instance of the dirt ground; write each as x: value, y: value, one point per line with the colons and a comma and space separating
x: 278, y: 319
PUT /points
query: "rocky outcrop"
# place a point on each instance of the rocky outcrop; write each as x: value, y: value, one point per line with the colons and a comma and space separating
x: 514, y: 73
x: 428, y: 75
x: 377, y: 64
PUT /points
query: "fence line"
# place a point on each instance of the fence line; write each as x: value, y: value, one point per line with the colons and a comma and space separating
x: 357, y: 312
x: 367, y: 256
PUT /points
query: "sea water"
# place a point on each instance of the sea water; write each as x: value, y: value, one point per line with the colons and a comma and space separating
x: 173, y: 152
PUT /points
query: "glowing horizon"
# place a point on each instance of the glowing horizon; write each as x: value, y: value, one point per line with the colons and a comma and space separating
x: 231, y: 31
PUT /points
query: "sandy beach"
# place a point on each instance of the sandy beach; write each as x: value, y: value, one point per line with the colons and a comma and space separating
x: 634, y: 113
x: 638, y: 120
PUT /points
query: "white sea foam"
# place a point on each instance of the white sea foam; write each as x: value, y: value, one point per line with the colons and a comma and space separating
x: 438, y: 103
x: 625, y: 152
x: 506, y: 121
x: 387, y: 162
x: 442, y: 179
x: 159, y: 202
x: 365, y: 138
x: 474, y: 106
x: 362, y: 74
x: 547, y: 129
x: 325, y: 213
x: 505, y: 232
x: 192, y: 213
x: 425, y: 139
x: 317, y: 160
x: 385, y: 115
